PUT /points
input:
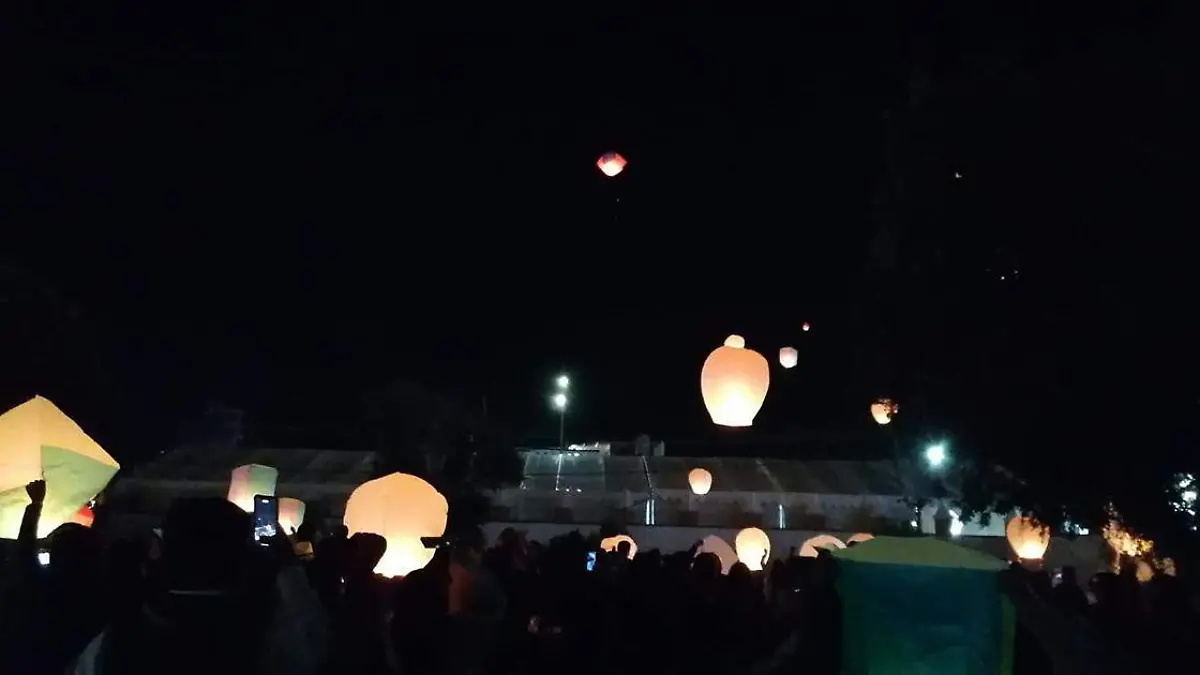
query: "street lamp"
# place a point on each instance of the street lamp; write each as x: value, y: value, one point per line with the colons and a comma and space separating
x: 559, y: 402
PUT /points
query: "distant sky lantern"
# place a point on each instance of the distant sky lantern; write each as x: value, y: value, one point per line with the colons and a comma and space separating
x: 611, y: 164
x: 291, y: 514
x: 788, y: 357
x: 401, y: 509
x: 752, y: 545
x: 700, y: 480
x: 250, y: 480
x: 611, y: 544
x: 1028, y: 539
x: 805, y: 327
x: 734, y: 382
x: 883, y: 410
x: 38, y: 441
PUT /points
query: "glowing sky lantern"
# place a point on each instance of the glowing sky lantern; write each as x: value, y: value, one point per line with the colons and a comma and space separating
x: 734, y: 382
x: 805, y: 327
x: 83, y: 516
x: 250, y: 480
x: 38, y: 441
x: 883, y: 410
x: 611, y: 164
x: 827, y: 541
x: 1028, y: 539
x: 720, y: 548
x: 752, y: 545
x: 788, y: 357
x: 610, y: 544
x: 700, y: 480
x: 291, y: 514
x: 401, y: 509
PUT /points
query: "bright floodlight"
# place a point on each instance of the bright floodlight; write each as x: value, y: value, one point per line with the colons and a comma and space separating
x: 935, y: 455
x: 559, y: 401
x: 563, y: 381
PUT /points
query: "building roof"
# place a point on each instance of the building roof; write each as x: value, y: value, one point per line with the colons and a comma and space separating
x: 200, y: 464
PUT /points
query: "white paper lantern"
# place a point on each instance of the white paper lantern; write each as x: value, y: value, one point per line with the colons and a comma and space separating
x: 720, y: 548
x: 809, y: 548
x: 38, y: 441
x: 883, y: 410
x: 788, y: 357
x: 250, y: 480
x: 291, y: 514
x: 734, y: 383
x: 610, y: 544
x: 700, y: 480
x: 752, y: 545
x: 401, y: 509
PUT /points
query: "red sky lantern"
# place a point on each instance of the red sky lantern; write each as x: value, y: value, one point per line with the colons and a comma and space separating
x: 611, y: 164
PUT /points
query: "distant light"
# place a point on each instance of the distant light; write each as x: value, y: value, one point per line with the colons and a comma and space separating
x: 611, y: 164
x: 805, y: 327
x: 935, y: 455
x: 559, y: 401
x: 957, y: 174
x: 563, y: 381
x: 956, y: 525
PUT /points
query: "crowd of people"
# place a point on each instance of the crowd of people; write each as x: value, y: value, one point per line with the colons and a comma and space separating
x: 199, y: 596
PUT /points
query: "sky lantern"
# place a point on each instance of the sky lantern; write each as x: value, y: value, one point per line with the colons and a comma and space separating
x: 827, y: 541
x: 38, y: 441
x: 611, y: 164
x: 250, y: 480
x: 883, y: 410
x: 752, y: 545
x: 805, y: 327
x: 734, y: 382
x: 1028, y: 539
x: 720, y: 548
x: 401, y: 509
x: 83, y: 516
x: 291, y: 514
x: 788, y: 357
x: 700, y: 481
x: 859, y: 538
x: 610, y: 544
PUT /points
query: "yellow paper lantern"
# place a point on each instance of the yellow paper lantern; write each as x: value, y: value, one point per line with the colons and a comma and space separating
x: 250, y: 480
x: 752, y: 545
x: 291, y: 514
x: 610, y: 544
x: 883, y: 410
x: 1028, y: 539
x: 700, y: 481
x: 788, y: 357
x: 809, y: 548
x: 859, y: 538
x: 38, y: 441
x: 734, y: 382
x: 720, y: 548
x: 401, y: 509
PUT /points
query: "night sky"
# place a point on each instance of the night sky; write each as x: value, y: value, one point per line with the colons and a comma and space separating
x: 985, y: 215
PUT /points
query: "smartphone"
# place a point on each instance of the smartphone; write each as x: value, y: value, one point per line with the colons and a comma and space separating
x: 44, y: 558
x: 266, y: 514
x: 591, y: 561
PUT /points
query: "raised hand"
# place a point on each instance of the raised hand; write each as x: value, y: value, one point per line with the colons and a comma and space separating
x: 36, y: 491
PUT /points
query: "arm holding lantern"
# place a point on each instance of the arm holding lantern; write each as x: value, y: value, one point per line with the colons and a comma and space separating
x: 27, y: 538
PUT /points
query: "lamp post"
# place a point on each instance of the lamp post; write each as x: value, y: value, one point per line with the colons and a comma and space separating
x: 559, y: 401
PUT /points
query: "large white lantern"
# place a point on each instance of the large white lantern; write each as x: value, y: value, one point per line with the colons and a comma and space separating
x: 611, y: 544
x: 788, y: 357
x: 401, y: 509
x: 291, y: 514
x: 39, y: 442
x: 1028, y: 539
x: 734, y: 382
x: 883, y: 410
x: 752, y: 545
x: 700, y: 480
x: 250, y: 480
